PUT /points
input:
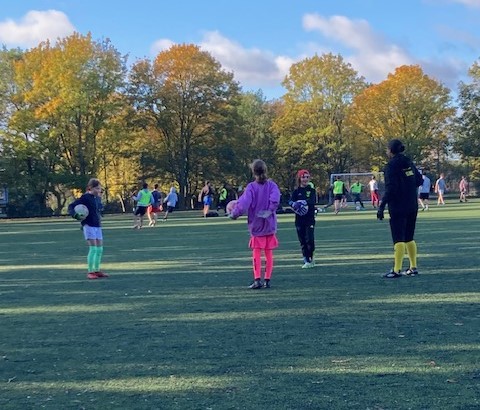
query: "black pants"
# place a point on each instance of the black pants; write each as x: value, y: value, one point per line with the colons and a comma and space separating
x: 356, y: 198
x: 402, y: 226
x: 306, y: 236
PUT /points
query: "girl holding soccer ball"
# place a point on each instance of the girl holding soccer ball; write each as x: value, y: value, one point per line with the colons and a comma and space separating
x: 260, y: 201
x: 303, y: 204
x: 91, y: 227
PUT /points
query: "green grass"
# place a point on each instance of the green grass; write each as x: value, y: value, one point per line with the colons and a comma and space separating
x: 175, y: 326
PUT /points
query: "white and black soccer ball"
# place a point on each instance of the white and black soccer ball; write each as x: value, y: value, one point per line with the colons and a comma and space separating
x: 81, y: 210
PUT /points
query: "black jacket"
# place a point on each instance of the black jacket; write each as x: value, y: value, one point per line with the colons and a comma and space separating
x: 92, y: 203
x: 402, y: 180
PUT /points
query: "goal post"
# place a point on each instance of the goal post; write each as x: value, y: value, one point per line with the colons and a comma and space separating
x: 363, y: 178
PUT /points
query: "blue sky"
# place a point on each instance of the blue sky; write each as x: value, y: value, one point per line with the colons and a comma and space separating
x: 259, y: 39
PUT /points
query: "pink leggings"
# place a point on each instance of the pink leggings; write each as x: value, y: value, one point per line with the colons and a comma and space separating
x: 257, y: 263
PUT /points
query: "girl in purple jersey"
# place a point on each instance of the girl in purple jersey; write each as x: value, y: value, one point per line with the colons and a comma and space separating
x: 260, y: 201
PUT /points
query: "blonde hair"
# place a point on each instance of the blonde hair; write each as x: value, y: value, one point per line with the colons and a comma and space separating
x: 259, y: 169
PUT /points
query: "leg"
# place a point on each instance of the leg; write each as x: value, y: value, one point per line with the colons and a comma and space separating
x: 310, y: 238
x: 268, y: 263
x: 302, y: 238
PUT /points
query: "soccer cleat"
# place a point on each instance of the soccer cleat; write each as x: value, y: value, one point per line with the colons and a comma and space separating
x: 410, y: 272
x: 308, y: 265
x: 266, y: 284
x: 92, y: 275
x: 101, y: 274
x: 392, y: 275
x: 256, y: 284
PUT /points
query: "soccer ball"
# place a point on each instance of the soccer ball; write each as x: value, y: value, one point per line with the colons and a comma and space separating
x: 81, y: 210
x: 231, y: 206
x: 358, y: 207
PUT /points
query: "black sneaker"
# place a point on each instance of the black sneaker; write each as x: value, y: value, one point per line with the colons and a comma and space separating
x: 256, y: 284
x: 410, y: 272
x: 266, y: 284
x: 392, y: 275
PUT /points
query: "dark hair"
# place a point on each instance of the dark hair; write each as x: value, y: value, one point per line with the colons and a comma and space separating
x: 396, y: 146
x: 156, y: 186
x: 145, y: 185
x: 93, y: 183
x: 259, y: 169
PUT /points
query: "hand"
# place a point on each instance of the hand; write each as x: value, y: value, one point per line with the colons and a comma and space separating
x: 380, y: 214
x: 296, y: 206
x: 78, y: 217
x: 264, y: 214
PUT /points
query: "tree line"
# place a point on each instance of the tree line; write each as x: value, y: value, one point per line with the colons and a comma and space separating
x: 75, y: 109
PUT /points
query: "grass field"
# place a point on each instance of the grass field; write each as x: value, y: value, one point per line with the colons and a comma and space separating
x: 175, y: 326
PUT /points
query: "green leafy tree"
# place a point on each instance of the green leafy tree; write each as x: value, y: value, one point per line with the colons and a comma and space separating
x: 466, y: 136
x: 311, y: 126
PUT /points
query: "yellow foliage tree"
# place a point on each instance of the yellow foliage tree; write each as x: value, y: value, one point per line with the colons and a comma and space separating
x: 408, y: 105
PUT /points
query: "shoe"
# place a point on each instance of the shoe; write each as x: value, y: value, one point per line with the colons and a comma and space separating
x: 392, y: 275
x: 308, y: 265
x: 266, y: 284
x: 92, y: 275
x: 256, y: 284
x: 152, y: 223
x: 410, y: 272
x: 101, y: 274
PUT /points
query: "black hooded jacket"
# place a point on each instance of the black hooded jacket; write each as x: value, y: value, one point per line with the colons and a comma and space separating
x: 402, y: 180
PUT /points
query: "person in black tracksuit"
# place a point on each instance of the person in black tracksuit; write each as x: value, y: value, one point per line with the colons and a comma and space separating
x: 305, y: 222
x: 402, y: 180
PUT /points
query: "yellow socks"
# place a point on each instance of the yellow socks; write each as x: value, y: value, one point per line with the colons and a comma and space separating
x: 398, y: 253
x: 412, y: 253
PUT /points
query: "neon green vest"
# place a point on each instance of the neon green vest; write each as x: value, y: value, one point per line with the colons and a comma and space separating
x: 357, y: 188
x: 144, y: 198
x: 338, y: 187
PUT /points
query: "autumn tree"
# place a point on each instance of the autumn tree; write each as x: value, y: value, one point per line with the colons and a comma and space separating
x: 311, y: 128
x: 408, y: 105
x: 186, y: 98
x: 68, y: 93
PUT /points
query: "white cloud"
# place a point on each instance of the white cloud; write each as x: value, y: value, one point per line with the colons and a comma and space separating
x: 468, y: 3
x: 35, y: 27
x: 161, y: 45
x: 253, y: 68
x: 371, y: 55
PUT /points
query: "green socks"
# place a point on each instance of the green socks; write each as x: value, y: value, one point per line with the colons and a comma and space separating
x: 94, y: 258
x: 92, y: 250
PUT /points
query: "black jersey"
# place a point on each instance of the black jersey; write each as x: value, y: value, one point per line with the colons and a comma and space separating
x: 402, y: 180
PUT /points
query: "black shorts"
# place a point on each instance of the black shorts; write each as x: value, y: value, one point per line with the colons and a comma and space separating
x: 402, y: 226
x: 424, y: 195
x: 338, y: 197
x: 140, y: 210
